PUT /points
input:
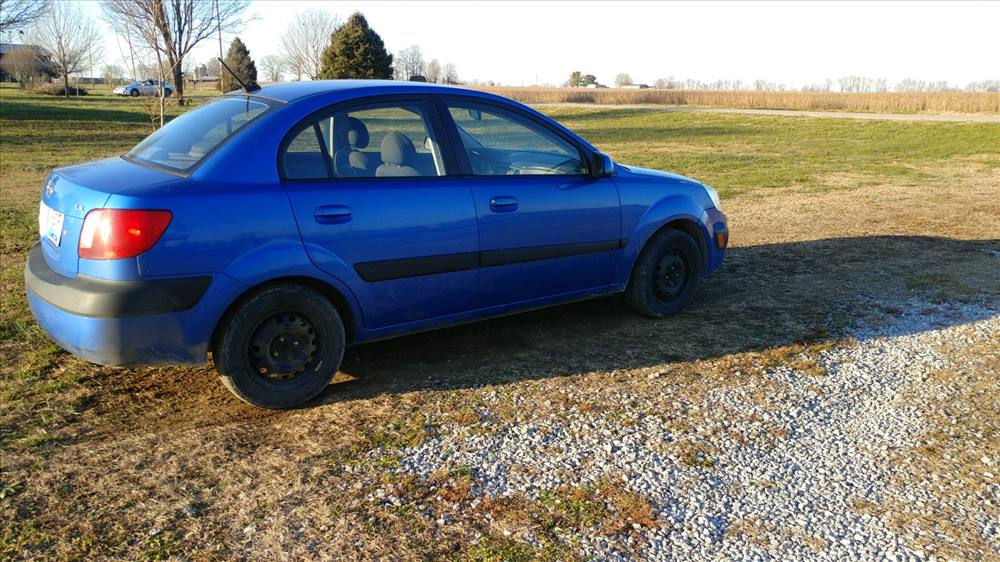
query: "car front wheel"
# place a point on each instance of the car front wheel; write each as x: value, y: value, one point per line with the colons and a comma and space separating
x: 134, y: 93
x: 280, y: 347
x: 666, y: 275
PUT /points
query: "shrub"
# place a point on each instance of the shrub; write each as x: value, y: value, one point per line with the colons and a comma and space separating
x: 57, y: 90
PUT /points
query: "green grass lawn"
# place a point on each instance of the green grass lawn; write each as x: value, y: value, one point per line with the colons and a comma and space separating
x: 747, y: 154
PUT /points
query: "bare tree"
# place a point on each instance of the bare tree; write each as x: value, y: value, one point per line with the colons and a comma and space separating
x: 214, y: 68
x: 15, y: 14
x: 304, y: 41
x: 70, y: 36
x: 172, y: 28
x: 113, y: 73
x: 983, y: 86
x: 409, y: 62
x: 450, y: 74
x: 146, y: 71
x: 623, y: 79
x: 862, y: 84
x: 273, y: 68
x: 433, y: 71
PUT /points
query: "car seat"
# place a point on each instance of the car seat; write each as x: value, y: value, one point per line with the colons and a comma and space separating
x: 398, y: 156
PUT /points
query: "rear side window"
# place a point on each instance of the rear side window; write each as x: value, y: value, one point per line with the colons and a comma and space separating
x: 393, y: 139
x: 183, y: 142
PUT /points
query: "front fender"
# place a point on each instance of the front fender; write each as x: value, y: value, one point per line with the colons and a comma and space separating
x: 664, y: 211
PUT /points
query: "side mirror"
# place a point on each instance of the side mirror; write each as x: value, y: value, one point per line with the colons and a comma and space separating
x: 601, y: 165
x: 476, y: 115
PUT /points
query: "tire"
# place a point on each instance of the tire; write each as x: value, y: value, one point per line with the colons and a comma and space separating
x: 280, y: 347
x: 666, y: 275
x: 134, y: 93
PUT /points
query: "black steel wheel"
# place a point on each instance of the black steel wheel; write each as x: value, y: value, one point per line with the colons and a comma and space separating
x: 283, y: 346
x: 280, y: 347
x: 666, y: 275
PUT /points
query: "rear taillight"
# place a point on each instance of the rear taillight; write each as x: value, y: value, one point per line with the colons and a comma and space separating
x: 110, y: 234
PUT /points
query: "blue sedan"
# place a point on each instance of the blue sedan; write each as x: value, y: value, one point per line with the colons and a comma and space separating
x: 273, y: 228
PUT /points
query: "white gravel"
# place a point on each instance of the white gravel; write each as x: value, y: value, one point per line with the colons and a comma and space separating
x: 766, y: 499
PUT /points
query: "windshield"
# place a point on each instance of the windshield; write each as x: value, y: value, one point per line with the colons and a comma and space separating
x: 183, y: 142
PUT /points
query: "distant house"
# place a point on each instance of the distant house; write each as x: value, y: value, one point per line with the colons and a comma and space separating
x: 26, y: 61
x: 200, y: 75
x: 636, y: 86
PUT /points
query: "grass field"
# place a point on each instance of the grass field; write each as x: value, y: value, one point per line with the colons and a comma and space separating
x: 156, y: 463
x: 886, y: 102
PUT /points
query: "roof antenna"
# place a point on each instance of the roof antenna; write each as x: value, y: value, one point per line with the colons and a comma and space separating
x: 251, y: 88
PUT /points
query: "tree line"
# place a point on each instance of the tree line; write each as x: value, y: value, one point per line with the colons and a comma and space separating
x: 315, y: 45
x: 853, y: 84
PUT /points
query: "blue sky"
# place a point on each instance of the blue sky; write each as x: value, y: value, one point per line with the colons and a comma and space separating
x: 791, y: 43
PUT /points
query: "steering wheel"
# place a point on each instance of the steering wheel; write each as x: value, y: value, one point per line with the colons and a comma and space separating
x: 568, y: 166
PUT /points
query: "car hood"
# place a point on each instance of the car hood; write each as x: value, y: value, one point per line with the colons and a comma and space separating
x: 657, y: 174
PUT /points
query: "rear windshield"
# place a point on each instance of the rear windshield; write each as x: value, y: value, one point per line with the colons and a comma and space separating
x: 183, y: 142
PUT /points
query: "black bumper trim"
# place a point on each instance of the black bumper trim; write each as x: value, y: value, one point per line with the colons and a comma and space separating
x: 100, y: 298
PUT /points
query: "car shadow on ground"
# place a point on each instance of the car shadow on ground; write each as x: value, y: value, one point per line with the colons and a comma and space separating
x: 764, y: 296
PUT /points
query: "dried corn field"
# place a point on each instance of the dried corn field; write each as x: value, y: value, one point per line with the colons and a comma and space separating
x: 887, y: 102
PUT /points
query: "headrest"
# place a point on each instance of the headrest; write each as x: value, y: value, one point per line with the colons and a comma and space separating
x: 357, y: 133
x: 398, y: 149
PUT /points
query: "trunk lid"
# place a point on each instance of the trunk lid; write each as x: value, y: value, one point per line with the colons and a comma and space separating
x: 75, y: 190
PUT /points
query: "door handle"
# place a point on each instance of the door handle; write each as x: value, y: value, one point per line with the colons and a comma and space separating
x: 503, y: 204
x: 332, y: 214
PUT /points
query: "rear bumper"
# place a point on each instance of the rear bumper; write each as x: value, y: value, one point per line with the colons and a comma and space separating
x: 120, y: 323
x: 100, y: 298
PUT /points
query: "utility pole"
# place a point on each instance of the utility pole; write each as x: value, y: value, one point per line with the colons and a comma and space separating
x: 218, y: 21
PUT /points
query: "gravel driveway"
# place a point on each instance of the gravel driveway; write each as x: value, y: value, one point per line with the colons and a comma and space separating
x: 788, y: 478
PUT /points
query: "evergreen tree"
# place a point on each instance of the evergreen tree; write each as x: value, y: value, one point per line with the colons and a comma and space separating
x: 355, y: 51
x: 238, y: 59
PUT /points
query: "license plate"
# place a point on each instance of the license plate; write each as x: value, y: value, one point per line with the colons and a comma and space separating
x: 50, y: 224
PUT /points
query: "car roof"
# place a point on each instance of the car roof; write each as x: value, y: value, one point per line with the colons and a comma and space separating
x: 291, y: 91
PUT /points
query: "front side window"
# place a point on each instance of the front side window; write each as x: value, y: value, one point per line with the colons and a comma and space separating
x: 370, y: 141
x: 503, y: 143
x: 182, y: 143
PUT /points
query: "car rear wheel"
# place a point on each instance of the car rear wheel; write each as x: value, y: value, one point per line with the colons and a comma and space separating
x: 134, y: 93
x: 281, y: 347
x: 666, y: 275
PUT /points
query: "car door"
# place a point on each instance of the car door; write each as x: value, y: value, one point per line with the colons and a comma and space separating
x: 366, y: 183
x: 546, y: 227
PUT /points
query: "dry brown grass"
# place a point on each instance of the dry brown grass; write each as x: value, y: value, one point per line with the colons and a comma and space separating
x: 887, y: 102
